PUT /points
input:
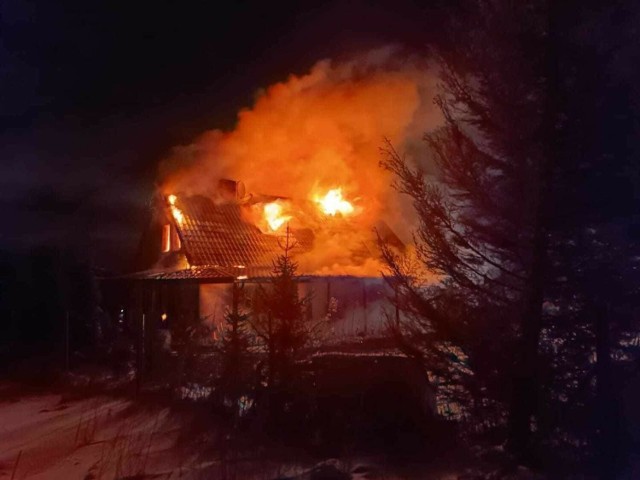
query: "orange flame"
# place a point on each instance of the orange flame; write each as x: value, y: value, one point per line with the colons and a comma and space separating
x: 273, y: 214
x: 175, y: 211
x: 315, y: 138
x: 333, y: 203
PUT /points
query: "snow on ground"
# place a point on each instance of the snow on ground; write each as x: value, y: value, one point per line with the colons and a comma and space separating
x: 47, y: 437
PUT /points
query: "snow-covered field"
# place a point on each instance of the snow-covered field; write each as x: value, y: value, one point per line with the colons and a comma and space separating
x: 45, y: 436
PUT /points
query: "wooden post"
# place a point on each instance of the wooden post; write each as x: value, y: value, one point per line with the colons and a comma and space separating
x: 606, y: 424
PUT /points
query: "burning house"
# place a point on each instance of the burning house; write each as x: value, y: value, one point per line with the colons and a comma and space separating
x: 196, y: 247
x: 309, y: 151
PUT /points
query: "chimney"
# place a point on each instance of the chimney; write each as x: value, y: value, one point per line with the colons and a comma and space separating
x: 231, y: 190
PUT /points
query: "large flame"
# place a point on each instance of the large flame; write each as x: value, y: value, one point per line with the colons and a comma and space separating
x: 274, y: 215
x: 175, y: 211
x: 333, y: 203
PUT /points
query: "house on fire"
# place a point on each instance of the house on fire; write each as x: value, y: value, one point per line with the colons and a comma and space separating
x: 196, y: 247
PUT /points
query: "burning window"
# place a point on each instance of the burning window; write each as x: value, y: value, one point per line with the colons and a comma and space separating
x: 166, y: 238
x: 170, y: 239
x: 175, y: 239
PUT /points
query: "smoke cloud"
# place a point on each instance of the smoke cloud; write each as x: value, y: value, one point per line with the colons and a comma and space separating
x: 318, y: 131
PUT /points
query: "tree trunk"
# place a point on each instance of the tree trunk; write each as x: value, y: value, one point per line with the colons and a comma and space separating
x: 525, y: 391
x: 605, y: 423
x: 524, y: 400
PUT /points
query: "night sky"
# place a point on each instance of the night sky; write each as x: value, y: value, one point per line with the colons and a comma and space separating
x: 94, y: 94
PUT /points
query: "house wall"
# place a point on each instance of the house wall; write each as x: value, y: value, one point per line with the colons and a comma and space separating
x: 214, y: 300
x: 153, y: 316
x: 354, y: 305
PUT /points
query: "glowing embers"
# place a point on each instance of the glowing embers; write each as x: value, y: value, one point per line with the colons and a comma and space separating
x: 333, y: 203
x: 175, y: 211
x: 274, y: 215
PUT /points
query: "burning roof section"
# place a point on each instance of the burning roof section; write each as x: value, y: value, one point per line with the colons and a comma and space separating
x: 206, y: 274
x: 222, y: 235
x: 240, y: 237
x: 217, y: 235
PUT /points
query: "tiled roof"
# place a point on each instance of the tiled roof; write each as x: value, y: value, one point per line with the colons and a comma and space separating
x: 218, y: 235
x: 188, y: 273
x: 207, y: 273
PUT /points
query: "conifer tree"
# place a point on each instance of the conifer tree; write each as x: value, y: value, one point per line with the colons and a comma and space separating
x: 279, y: 317
x: 235, y: 373
x: 484, y: 223
x: 536, y: 268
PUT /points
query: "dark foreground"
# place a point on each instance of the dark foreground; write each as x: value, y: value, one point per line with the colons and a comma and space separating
x: 57, y: 436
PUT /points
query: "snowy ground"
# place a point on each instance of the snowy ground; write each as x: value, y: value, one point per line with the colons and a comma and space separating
x: 47, y: 437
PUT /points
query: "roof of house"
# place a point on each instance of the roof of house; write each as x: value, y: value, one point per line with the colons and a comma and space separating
x: 221, y: 243
x: 206, y: 274
x: 220, y: 235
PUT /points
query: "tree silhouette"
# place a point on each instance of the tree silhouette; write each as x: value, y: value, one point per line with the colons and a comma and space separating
x: 234, y: 379
x: 279, y: 320
x: 484, y: 223
x: 526, y: 222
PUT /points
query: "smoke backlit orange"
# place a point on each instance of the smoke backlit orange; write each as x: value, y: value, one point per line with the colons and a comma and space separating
x: 318, y: 133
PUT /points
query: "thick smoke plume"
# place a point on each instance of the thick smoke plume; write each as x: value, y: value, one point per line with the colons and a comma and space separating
x: 319, y: 131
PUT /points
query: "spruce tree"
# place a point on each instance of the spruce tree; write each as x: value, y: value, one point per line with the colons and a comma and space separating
x: 484, y: 222
x: 527, y: 222
x: 235, y: 378
x: 279, y: 318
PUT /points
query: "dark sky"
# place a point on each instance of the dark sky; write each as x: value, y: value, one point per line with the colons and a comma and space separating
x: 93, y: 94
